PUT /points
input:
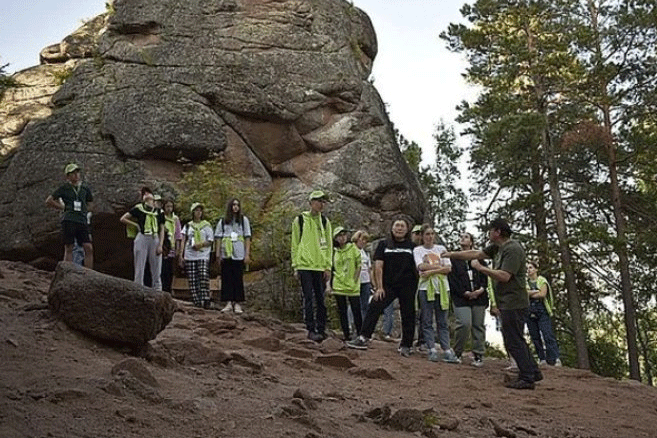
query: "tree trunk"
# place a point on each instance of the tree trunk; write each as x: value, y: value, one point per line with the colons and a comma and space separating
x: 574, y: 303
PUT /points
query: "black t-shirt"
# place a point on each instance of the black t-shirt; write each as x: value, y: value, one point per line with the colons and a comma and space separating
x: 75, y: 199
x: 139, y: 212
x: 398, y: 263
x: 463, y: 278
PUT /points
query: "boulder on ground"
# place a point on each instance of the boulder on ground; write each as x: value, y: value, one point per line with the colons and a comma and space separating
x: 108, y: 308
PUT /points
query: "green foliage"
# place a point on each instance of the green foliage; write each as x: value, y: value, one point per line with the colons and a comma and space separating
x: 6, y: 81
x: 607, y: 358
x: 62, y: 75
x: 213, y: 184
x: 439, y: 182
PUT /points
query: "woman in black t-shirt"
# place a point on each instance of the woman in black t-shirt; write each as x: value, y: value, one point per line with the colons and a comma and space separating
x: 396, y: 277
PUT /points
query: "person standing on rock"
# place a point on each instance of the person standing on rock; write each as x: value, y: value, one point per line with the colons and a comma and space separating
x: 233, y: 253
x: 395, y: 277
x: 467, y: 287
x: 197, y: 238
x: 148, y: 222
x: 74, y: 198
x: 171, y: 247
x: 345, y: 280
x: 510, y: 288
x: 311, y: 251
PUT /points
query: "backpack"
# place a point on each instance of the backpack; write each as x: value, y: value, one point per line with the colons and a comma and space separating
x: 300, y: 217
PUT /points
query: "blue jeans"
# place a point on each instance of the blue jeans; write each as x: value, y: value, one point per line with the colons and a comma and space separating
x: 539, y: 323
x: 365, y: 293
x: 388, y: 319
x: 428, y: 309
x: 312, y: 288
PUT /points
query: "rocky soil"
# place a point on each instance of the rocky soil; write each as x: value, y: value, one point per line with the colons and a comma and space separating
x: 214, y: 375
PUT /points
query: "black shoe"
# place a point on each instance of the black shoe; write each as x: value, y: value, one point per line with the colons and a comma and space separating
x: 316, y: 337
x: 538, y: 376
x: 520, y: 384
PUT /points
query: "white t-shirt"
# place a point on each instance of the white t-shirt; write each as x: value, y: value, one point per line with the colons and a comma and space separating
x: 420, y: 252
x: 365, y: 266
x: 190, y: 252
x: 234, y: 231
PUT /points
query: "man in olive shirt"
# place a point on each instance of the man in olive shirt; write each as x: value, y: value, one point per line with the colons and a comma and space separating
x: 508, y: 274
x: 74, y: 199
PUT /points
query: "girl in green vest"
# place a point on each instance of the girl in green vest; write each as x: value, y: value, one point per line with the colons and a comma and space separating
x: 345, y: 280
x: 539, y: 323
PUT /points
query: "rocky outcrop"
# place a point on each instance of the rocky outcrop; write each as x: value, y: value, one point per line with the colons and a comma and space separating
x: 108, y: 308
x: 278, y: 88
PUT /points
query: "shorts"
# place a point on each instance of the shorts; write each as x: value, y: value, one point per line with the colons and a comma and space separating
x: 72, y: 231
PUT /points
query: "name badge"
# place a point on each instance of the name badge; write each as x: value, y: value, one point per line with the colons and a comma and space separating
x: 233, y: 236
x: 77, y: 206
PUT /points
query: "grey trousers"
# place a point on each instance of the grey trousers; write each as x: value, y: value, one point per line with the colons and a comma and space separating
x: 470, y: 319
x: 144, y: 249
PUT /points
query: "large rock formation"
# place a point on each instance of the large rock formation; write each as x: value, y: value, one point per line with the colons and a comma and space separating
x: 279, y: 88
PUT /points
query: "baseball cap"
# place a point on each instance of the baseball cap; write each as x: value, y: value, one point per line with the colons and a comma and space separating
x: 318, y: 195
x: 338, y: 230
x: 416, y: 229
x: 195, y: 205
x: 71, y: 167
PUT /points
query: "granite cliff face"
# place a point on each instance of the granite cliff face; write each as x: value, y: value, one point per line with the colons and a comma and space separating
x: 278, y: 89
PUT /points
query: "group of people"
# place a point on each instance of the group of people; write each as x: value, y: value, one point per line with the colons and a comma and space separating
x: 410, y: 267
x: 407, y: 266
x: 159, y: 240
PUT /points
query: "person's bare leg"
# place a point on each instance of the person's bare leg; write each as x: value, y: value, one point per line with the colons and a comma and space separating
x: 88, y: 255
x: 68, y: 253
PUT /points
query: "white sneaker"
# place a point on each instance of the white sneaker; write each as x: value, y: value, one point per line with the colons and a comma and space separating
x: 557, y: 363
x: 238, y: 309
x: 228, y: 308
x: 542, y: 363
x: 513, y: 365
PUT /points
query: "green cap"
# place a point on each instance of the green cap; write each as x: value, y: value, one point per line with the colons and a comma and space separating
x: 318, y: 195
x: 195, y: 205
x: 71, y: 167
x: 416, y: 229
x: 157, y: 198
x: 338, y: 230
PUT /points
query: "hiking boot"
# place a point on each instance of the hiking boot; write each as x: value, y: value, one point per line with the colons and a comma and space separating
x: 433, y: 356
x: 478, y: 361
x: 360, y: 343
x: 538, y: 376
x: 405, y: 351
x: 520, y: 384
x: 450, y: 357
x: 315, y: 337
x: 238, y: 309
x: 228, y: 308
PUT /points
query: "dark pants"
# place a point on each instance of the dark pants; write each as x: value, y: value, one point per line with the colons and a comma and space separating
x: 540, y: 324
x: 513, y: 327
x: 354, y: 302
x: 167, y: 273
x: 232, y: 280
x: 312, y: 287
x: 406, y: 296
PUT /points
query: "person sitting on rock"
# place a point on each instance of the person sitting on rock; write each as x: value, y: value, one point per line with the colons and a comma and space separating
x: 74, y: 198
